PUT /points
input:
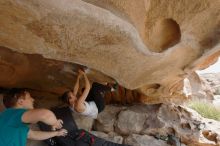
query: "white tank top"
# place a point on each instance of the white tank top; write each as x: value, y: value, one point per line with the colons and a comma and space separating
x: 90, y: 111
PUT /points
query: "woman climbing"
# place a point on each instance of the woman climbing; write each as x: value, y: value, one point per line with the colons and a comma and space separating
x: 91, y: 101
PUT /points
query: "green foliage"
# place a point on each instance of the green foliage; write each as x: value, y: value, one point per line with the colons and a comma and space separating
x: 207, y: 110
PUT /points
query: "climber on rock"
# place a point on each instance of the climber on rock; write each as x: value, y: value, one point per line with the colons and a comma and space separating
x: 91, y: 101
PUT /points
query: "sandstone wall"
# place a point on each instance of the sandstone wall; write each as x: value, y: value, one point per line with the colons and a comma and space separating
x: 150, y: 45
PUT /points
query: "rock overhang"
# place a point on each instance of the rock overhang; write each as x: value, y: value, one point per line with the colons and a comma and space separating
x: 157, y: 44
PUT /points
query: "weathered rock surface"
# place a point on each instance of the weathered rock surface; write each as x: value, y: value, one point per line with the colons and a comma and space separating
x: 146, y: 44
x: 196, y: 87
x: 144, y: 140
x: 130, y: 121
x: 106, y: 120
x: 182, y: 124
x: 213, y: 80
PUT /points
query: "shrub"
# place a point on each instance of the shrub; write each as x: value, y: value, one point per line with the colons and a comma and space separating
x: 206, y: 109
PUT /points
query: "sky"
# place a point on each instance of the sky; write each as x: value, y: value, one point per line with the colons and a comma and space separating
x: 215, y: 68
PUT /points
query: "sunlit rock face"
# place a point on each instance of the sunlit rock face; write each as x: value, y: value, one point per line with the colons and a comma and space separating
x: 213, y: 80
x: 196, y: 87
x: 150, y: 45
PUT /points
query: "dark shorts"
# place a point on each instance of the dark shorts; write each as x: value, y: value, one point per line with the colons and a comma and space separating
x: 97, y: 94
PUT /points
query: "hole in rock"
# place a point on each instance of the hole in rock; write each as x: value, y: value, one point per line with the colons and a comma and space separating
x: 165, y: 34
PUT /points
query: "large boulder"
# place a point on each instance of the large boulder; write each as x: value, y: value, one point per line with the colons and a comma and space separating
x: 144, y: 140
x: 196, y: 87
x: 213, y: 80
x: 148, y: 44
x: 106, y: 119
x: 130, y: 121
x: 141, y: 124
